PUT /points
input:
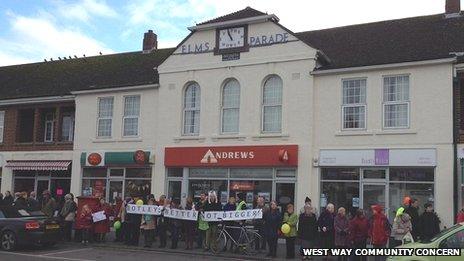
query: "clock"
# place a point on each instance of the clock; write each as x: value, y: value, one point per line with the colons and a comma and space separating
x: 232, y: 39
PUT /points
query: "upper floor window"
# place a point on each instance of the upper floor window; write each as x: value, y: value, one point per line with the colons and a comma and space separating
x: 396, y: 101
x: 105, y: 116
x: 192, y: 109
x: 131, y: 116
x: 272, y: 105
x: 49, y: 127
x: 2, y: 125
x: 354, y: 104
x: 67, y: 128
x: 230, y: 106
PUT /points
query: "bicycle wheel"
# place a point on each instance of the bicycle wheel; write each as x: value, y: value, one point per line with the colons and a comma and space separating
x: 253, y: 239
x: 220, y: 243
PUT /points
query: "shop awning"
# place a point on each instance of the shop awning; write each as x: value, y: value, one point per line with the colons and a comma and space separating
x: 38, y: 164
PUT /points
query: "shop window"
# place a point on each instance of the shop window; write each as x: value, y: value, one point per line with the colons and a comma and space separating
x: 422, y: 191
x: 341, y: 194
x: 24, y: 173
x: 374, y: 174
x: 138, y: 173
x: 131, y: 116
x: 191, y: 114
x: 21, y: 184
x: 60, y: 187
x: 61, y: 173
x: 94, y: 187
x: 116, y: 187
x: 116, y: 172
x: 230, y: 106
x: 251, y: 173
x: 251, y: 190
x: 94, y: 173
x: 340, y: 174
x: 208, y: 173
x: 137, y: 187
x: 174, y: 190
x: 411, y: 174
x: 196, y: 187
x: 285, y: 173
x: 272, y: 105
x: 175, y: 172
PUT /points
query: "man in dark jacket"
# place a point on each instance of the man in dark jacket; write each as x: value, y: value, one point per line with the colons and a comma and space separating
x: 32, y: 201
x: 413, y: 212
x: 429, y: 223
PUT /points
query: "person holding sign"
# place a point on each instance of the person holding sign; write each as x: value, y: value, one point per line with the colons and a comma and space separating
x: 291, y: 219
x: 212, y: 205
x: 102, y: 227
x: 148, y: 226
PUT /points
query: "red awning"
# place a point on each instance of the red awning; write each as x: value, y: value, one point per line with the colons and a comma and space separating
x: 38, y: 164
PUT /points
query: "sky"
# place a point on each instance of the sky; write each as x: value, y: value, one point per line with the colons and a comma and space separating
x: 34, y: 30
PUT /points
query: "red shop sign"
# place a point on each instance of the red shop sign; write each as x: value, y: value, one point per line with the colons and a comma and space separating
x: 232, y: 156
x: 242, y: 185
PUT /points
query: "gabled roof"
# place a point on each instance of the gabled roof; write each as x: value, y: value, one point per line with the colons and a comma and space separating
x: 395, y: 41
x: 241, y: 14
x: 59, y: 78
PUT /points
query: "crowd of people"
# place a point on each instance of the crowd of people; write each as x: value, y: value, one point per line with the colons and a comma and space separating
x: 332, y: 228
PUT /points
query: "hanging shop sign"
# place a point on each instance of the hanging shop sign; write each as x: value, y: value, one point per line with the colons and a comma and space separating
x: 269, y: 156
x: 378, y: 157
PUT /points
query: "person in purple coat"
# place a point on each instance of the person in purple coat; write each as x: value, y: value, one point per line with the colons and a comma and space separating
x: 326, y: 226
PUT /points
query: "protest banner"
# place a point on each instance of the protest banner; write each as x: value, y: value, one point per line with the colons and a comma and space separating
x: 98, y: 216
x: 210, y: 216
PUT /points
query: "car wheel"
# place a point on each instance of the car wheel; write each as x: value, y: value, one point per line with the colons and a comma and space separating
x: 8, y: 241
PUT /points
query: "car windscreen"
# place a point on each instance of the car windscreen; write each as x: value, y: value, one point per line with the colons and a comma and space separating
x: 443, y: 232
x: 11, y: 212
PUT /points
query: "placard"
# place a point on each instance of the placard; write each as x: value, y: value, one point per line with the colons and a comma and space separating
x: 98, y: 216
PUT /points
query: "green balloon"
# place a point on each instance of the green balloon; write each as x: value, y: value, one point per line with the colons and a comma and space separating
x: 117, y: 225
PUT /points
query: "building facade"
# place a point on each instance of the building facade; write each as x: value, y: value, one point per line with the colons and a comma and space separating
x: 354, y: 115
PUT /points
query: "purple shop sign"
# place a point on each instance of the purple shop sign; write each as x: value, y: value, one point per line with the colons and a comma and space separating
x: 382, y: 157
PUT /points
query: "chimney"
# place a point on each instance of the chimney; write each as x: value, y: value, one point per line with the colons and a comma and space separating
x: 150, y: 41
x: 453, y: 8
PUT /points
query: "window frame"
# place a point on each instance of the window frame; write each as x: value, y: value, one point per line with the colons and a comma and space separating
x: 2, y: 126
x: 46, y: 126
x: 353, y: 105
x: 71, y: 130
x: 263, y: 106
x: 124, y: 117
x: 224, y: 108
x: 190, y: 109
x: 99, y: 99
x: 401, y: 102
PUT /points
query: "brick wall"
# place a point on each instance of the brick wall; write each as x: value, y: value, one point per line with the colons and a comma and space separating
x: 11, y: 129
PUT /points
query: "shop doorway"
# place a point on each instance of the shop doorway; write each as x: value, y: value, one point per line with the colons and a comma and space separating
x: 373, y: 189
x: 42, y: 185
x: 115, y: 190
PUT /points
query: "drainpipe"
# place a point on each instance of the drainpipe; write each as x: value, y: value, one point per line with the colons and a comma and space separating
x: 456, y: 86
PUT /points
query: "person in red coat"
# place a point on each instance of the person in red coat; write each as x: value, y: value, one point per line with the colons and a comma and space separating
x: 460, y: 217
x: 379, y: 228
x: 103, y: 227
x: 359, y: 231
x: 84, y: 223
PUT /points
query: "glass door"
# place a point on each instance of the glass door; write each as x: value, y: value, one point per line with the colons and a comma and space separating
x: 174, y: 190
x: 42, y: 185
x: 115, y: 190
x: 373, y: 194
x: 285, y: 194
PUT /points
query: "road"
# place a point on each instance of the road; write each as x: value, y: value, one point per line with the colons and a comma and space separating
x: 82, y: 253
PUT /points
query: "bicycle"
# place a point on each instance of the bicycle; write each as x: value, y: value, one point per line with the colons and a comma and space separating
x: 245, y: 241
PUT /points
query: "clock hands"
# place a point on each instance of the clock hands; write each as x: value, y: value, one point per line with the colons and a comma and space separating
x: 230, y: 36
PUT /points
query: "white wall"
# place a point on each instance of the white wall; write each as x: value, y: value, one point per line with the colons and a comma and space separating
x: 431, y: 118
x: 85, y: 139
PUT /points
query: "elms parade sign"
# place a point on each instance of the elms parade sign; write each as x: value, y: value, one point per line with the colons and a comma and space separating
x: 269, y: 156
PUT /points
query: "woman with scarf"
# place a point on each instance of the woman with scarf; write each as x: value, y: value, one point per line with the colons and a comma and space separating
x: 68, y: 214
x: 326, y: 226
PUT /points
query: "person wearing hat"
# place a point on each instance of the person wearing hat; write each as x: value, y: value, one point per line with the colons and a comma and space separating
x: 308, y: 203
x: 413, y: 212
x: 379, y: 229
x: 48, y: 203
x: 401, y: 227
x: 429, y: 223
x: 68, y: 215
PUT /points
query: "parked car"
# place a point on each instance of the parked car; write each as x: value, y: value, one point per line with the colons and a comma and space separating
x: 452, y: 237
x: 24, y: 227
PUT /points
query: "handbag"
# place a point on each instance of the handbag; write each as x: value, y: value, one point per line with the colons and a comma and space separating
x: 70, y: 217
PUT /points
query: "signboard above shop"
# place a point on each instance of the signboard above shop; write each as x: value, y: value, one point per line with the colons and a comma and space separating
x: 378, y: 157
x: 248, y: 156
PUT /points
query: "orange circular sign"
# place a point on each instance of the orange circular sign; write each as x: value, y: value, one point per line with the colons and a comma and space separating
x: 140, y: 157
x: 94, y: 159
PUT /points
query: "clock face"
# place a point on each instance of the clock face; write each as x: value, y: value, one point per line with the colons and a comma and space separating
x: 231, y: 38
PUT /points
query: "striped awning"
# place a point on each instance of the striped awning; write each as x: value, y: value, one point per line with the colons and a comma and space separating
x: 38, y: 164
